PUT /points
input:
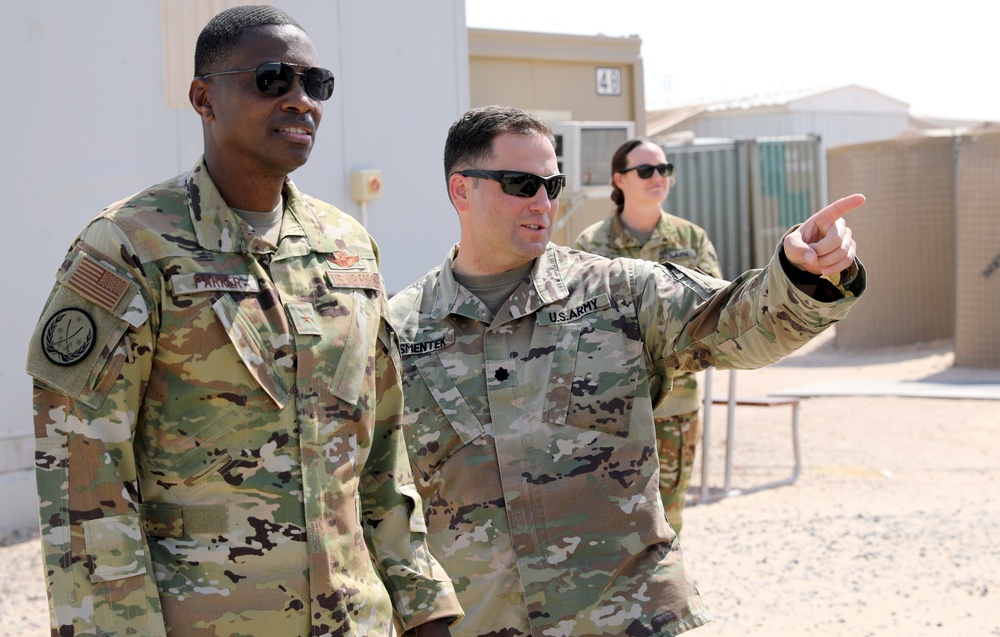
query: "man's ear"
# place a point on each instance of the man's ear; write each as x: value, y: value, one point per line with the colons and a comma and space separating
x: 200, y: 100
x: 458, y: 189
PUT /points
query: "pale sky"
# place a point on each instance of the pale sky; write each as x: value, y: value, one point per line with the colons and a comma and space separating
x: 940, y: 57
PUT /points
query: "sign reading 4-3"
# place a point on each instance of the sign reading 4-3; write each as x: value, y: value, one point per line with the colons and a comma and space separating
x: 609, y: 80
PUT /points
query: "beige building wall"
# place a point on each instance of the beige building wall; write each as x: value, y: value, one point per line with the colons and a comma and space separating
x: 549, y: 87
x: 910, y: 211
x: 977, y: 326
x: 562, y: 78
x: 934, y: 197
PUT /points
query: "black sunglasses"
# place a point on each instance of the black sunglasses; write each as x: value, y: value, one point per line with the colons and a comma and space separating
x: 275, y: 78
x: 521, y: 184
x: 645, y: 171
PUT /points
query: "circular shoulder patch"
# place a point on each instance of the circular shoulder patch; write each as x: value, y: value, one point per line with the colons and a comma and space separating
x: 68, y: 337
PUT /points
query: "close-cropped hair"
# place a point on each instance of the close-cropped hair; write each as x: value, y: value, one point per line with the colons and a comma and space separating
x: 221, y: 35
x: 470, y: 138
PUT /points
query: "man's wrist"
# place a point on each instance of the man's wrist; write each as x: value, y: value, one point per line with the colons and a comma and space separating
x: 826, y: 288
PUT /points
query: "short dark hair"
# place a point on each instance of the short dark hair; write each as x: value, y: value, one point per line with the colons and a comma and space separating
x: 221, y: 35
x: 619, y: 162
x: 470, y: 138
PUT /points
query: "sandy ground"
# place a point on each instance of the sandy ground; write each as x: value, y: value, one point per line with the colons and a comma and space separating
x: 893, y: 527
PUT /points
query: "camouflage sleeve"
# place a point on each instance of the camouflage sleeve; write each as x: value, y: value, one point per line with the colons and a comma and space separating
x: 90, y: 357
x: 692, y: 321
x: 392, y: 511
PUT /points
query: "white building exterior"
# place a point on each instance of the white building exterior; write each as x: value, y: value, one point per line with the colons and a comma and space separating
x: 849, y: 114
x: 92, y: 114
x: 846, y: 115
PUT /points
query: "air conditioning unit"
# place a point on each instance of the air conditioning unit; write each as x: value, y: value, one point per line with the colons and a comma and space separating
x: 584, y: 152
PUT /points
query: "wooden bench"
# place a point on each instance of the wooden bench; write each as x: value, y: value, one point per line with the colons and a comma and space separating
x: 733, y: 400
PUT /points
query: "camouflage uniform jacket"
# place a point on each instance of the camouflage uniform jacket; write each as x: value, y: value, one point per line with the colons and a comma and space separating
x: 217, y: 418
x: 531, y: 432
x: 675, y: 240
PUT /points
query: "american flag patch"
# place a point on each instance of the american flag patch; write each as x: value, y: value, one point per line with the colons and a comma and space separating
x: 97, y: 283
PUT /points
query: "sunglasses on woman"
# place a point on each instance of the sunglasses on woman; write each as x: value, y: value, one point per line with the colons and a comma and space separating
x: 521, y: 184
x: 275, y: 78
x: 645, y: 171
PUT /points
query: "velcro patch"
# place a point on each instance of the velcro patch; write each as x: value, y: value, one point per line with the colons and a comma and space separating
x: 304, y: 317
x: 366, y: 280
x: 556, y: 314
x: 78, y: 347
x: 68, y: 336
x: 669, y: 255
x: 97, y: 282
x: 196, y: 282
x: 426, y: 346
x: 342, y: 259
x: 162, y: 519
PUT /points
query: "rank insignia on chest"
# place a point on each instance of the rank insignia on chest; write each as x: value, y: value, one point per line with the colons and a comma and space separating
x: 500, y: 374
x: 304, y: 318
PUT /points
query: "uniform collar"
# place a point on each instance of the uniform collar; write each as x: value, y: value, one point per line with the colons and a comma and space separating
x: 621, y: 239
x: 219, y: 229
x: 547, y: 286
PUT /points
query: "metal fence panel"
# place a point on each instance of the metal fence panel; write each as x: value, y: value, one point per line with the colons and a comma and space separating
x: 746, y: 193
x: 785, y: 188
x: 709, y: 192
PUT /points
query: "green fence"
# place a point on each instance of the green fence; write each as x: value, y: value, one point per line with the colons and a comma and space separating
x: 746, y: 193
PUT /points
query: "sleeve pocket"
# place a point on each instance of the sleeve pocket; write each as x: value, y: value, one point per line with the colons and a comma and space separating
x: 114, y: 547
x: 86, y: 373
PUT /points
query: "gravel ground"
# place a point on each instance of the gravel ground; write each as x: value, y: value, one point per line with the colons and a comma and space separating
x: 892, y: 529
x: 23, y: 608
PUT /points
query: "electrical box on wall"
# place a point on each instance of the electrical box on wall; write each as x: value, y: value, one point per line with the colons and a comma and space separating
x: 366, y: 184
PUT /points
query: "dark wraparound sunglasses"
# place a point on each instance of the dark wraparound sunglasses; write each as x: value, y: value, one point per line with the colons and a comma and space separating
x: 521, y: 184
x: 275, y: 78
x: 645, y: 171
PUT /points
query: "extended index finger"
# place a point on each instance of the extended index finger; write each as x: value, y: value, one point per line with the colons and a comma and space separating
x: 829, y: 215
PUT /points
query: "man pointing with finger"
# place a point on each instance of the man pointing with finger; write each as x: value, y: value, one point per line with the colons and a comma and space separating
x: 530, y: 376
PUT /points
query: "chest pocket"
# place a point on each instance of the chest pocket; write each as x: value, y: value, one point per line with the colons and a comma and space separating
x: 350, y: 340
x: 430, y: 443
x: 250, y: 346
x: 350, y: 313
x: 203, y: 301
x: 595, y: 369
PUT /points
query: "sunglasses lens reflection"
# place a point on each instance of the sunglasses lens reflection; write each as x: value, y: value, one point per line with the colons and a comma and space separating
x: 276, y: 79
x: 526, y: 185
x: 319, y: 83
x: 522, y: 185
x: 554, y: 186
x: 645, y: 171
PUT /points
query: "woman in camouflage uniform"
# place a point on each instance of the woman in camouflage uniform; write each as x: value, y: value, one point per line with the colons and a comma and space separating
x: 640, y: 229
